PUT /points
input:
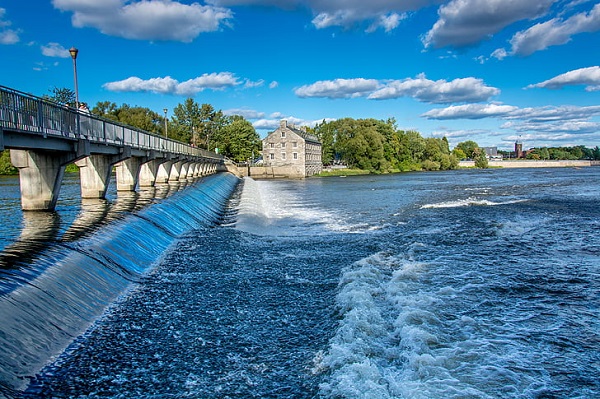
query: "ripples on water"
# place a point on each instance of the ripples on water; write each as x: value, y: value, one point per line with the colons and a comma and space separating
x: 468, y: 284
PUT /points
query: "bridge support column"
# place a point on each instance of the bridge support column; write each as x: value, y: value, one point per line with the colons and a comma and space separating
x: 95, y: 170
x: 184, y: 171
x: 164, y: 171
x: 149, y: 172
x: 195, y: 169
x: 128, y: 174
x: 40, y: 176
x: 175, y: 171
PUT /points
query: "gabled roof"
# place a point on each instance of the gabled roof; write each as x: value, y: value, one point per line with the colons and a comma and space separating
x: 311, y: 138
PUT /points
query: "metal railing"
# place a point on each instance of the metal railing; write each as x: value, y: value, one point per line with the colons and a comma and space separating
x: 28, y: 114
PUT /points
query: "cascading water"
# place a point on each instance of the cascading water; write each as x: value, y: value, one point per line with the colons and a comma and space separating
x: 50, y: 297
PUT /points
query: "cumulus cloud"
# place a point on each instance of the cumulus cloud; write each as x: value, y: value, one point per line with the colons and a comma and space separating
x: 554, y: 32
x: 464, y: 23
x: 168, y: 85
x: 420, y: 88
x: 338, y: 88
x: 146, y: 19
x: 554, y: 129
x: 377, y: 14
x: 469, y: 111
x: 437, y: 92
x: 245, y: 112
x: 7, y: 35
x: 274, y: 84
x: 55, y: 50
x: 589, y: 77
x: 553, y: 122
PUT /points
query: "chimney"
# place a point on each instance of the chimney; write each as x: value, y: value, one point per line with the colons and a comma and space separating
x: 283, y: 123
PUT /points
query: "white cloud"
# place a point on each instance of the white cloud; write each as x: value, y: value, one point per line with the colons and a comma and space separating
x: 55, y: 50
x: 168, y: 85
x: 499, y: 54
x: 550, y: 123
x: 338, y: 88
x: 245, y: 112
x: 554, y: 113
x: 470, y: 111
x: 384, y: 14
x: 7, y: 36
x: 554, y: 129
x: 554, y: 32
x: 438, y: 92
x: 419, y: 88
x: 249, y: 84
x: 274, y: 84
x: 467, y: 22
x: 146, y: 19
x: 583, y: 76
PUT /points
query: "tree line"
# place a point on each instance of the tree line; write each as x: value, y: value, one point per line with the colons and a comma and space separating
x: 380, y: 147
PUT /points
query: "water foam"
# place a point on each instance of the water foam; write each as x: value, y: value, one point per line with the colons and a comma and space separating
x: 469, y: 202
x: 270, y: 208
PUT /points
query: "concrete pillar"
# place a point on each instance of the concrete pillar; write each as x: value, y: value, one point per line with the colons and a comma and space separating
x: 196, y: 169
x: 94, y: 172
x: 164, y: 171
x: 128, y: 172
x: 175, y: 171
x: 40, y: 176
x: 149, y: 172
x: 183, y: 172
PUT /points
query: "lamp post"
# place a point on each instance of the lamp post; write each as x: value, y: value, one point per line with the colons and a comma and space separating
x: 73, y: 51
x: 166, y: 132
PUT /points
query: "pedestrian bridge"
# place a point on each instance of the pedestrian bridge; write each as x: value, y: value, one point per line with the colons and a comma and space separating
x: 44, y: 137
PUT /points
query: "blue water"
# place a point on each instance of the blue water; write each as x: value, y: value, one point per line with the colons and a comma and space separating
x: 461, y: 284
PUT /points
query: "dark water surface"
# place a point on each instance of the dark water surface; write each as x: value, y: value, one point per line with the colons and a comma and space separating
x: 465, y: 284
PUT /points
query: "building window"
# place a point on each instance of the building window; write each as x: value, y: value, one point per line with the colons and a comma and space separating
x: 283, y: 155
x: 271, y: 156
x: 282, y: 134
x: 295, y: 155
x: 295, y: 144
x: 271, y: 145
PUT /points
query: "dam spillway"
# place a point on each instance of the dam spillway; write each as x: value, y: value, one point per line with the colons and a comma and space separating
x: 53, y: 288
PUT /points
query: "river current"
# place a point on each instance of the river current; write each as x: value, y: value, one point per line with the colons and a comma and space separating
x: 459, y: 284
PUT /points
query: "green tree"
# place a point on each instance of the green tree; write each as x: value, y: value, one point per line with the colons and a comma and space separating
x: 63, y: 96
x: 458, y: 153
x: 468, y: 148
x: 237, y: 139
x: 186, y: 121
x: 6, y: 167
x: 106, y: 109
x: 480, y: 159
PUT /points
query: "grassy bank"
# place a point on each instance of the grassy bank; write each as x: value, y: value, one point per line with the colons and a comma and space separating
x: 343, y: 172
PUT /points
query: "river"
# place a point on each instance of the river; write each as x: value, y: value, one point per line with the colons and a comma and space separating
x: 458, y: 284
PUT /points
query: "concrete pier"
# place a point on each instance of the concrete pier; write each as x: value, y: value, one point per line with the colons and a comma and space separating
x: 40, y: 175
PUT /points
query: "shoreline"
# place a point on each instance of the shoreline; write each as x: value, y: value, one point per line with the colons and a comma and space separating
x: 533, y: 164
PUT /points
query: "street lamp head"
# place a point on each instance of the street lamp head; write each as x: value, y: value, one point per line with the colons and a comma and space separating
x: 73, y: 51
x: 165, y: 110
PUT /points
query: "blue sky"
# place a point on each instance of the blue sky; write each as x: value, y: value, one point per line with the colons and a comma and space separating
x: 492, y: 71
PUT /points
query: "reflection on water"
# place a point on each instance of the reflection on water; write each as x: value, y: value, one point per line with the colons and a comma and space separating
x: 39, y: 229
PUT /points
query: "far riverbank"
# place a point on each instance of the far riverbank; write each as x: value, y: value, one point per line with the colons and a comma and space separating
x: 533, y: 164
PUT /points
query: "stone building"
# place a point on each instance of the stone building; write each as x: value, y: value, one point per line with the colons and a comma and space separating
x: 292, y: 152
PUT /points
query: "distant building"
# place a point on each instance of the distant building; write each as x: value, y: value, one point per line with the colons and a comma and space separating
x: 519, y: 149
x: 292, y: 152
x: 491, y: 153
